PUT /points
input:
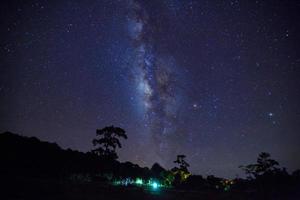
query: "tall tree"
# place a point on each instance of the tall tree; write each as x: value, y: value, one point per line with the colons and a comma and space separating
x: 108, y: 141
x: 263, y: 165
x: 183, y: 165
x: 181, y: 173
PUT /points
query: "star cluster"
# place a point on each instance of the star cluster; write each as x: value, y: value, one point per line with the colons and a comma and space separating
x: 156, y: 79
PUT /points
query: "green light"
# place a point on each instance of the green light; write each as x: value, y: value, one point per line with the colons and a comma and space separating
x: 139, y: 181
x: 154, y: 185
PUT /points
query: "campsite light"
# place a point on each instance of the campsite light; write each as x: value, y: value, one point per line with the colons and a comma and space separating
x: 154, y: 185
x: 139, y: 181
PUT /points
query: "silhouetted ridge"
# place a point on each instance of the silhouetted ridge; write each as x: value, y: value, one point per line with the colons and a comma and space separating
x: 31, y: 157
x: 28, y: 156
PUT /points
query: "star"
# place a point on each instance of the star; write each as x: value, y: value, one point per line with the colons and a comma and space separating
x: 196, y: 106
x: 170, y: 73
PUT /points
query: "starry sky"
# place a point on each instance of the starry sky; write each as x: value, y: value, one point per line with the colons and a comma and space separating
x: 217, y: 81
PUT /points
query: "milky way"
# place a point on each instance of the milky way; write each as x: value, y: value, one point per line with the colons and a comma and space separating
x: 156, y: 78
x: 214, y: 80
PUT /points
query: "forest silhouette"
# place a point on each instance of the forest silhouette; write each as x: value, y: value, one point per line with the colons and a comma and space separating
x: 31, y: 169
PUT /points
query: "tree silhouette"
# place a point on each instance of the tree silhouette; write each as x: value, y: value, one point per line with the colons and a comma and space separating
x: 181, y: 173
x: 183, y: 165
x: 109, y: 141
x: 264, y: 165
x: 157, y: 170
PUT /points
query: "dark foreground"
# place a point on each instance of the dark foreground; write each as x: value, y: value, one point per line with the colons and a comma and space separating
x: 33, y: 169
x: 24, y: 189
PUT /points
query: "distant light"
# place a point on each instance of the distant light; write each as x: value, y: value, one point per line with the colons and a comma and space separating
x: 139, y: 181
x: 271, y: 114
x: 154, y: 185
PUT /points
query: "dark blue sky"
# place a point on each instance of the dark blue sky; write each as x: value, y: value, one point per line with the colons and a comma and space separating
x: 215, y: 80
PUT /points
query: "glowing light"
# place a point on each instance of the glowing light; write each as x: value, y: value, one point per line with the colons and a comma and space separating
x: 139, y: 181
x: 154, y: 185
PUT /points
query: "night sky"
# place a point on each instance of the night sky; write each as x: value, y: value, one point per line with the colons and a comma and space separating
x: 217, y: 81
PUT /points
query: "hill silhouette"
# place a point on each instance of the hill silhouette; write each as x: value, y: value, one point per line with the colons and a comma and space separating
x: 34, y: 169
x: 28, y: 156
